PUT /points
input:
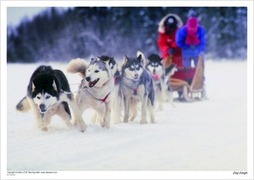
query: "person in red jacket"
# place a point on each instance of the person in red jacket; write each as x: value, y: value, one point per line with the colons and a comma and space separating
x: 166, y: 40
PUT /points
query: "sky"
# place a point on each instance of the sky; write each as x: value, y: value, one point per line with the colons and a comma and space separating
x: 16, y: 14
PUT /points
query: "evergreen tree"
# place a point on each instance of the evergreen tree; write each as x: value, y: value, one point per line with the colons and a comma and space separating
x: 57, y: 35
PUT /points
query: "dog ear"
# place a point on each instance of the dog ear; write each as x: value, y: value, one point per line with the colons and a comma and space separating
x: 142, y: 60
x: 141, y: 57
x: 126, y: 59
x: 93, y: 60
x: 140, y: 53
x: 111, y: 62
x: 54, y: 85
x: 33, y: 87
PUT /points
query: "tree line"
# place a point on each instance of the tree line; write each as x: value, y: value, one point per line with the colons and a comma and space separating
x: 60, y: 35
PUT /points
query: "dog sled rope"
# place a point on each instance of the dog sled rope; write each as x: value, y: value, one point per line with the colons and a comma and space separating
x: 69, y: 92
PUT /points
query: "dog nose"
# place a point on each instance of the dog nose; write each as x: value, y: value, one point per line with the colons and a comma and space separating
x: 154, y: 72
x: 42, y: 107
x: 136, y: 75
x: 88, y: 78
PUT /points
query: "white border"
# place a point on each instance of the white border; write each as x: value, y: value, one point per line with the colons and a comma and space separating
x: 250, y: 58
x: 129, y: 3
x: 127, y: 174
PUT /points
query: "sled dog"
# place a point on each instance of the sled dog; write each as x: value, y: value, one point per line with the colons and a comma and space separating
x: 97, y: 85
x: 160, y: 77
x: 136, y: 86
x: 48, y: 94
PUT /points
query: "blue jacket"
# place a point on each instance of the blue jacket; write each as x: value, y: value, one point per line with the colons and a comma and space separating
x: 187, y: 50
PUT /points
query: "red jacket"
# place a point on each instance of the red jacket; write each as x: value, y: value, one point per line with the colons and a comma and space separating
x: 167, y: 41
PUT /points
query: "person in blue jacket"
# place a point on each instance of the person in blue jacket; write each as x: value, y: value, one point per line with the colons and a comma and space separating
x: 191, y: 39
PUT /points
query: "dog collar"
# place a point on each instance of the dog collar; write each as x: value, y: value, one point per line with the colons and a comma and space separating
x: 135, y: 91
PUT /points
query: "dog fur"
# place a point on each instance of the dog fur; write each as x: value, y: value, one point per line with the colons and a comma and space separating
x: 48, y: 94
x: 160, y: 77
x: 136, y: 86
x: 97, y: 85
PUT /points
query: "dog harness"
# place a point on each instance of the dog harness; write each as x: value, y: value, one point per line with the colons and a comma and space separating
x: 135, y: 90
x: 104, y: 99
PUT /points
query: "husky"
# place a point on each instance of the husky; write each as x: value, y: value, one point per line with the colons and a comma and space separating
x: 136, y: 86
x: 46, y: 96
x: 97, y: 85
x: 160, y: 77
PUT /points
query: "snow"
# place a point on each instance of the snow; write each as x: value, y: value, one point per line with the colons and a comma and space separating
x: 209, y: 135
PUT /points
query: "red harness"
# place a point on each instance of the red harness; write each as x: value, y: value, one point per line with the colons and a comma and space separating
x: 135, y: 91
x: 104, y: 99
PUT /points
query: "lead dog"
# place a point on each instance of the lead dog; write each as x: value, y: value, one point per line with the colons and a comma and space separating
x: 97, y: 85
x: 136, y: 86
x: 46, y: 96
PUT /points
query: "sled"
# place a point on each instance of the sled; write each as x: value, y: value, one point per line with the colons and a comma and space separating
x: 188, y: 82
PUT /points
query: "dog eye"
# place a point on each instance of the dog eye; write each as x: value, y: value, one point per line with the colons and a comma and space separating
x: 48, y: 96
x: 38, y: 97
x: 132, y: 68
x: 96, y: 71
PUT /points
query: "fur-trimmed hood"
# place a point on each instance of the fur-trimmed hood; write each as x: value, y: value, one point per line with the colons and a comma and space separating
x: 161, y: 28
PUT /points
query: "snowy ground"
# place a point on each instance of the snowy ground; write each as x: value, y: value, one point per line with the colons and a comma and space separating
x: 210, y: 135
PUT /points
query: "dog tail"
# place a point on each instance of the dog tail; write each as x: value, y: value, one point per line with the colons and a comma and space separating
x: 77, y: 66
x: 23, y: 105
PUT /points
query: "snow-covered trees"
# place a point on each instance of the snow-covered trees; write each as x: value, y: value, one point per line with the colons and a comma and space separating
x: 60, y: 35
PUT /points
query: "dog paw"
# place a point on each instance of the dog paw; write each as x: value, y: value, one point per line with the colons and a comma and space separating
x: 132, y: 118
x: 79, y: 124
x: 117, y: 122
x: 105, y: 124
x: 82, y: 128
x: 143, y: 122
x: 44, y: 128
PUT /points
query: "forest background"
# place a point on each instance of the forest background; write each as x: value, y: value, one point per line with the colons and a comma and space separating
x: 61, y: 34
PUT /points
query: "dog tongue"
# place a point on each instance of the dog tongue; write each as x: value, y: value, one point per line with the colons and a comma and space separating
x: 91, y: 84
x: 155, y: 76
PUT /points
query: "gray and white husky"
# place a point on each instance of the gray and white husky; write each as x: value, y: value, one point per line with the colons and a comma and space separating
x: 97, y: 85
x: 46, y: 96
x: 136, y: 86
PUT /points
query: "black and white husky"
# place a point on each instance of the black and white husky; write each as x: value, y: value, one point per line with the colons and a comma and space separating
x: 136, y: 86
x: 97, y: 85
x: 160, y: 77
x: 46, y: 96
